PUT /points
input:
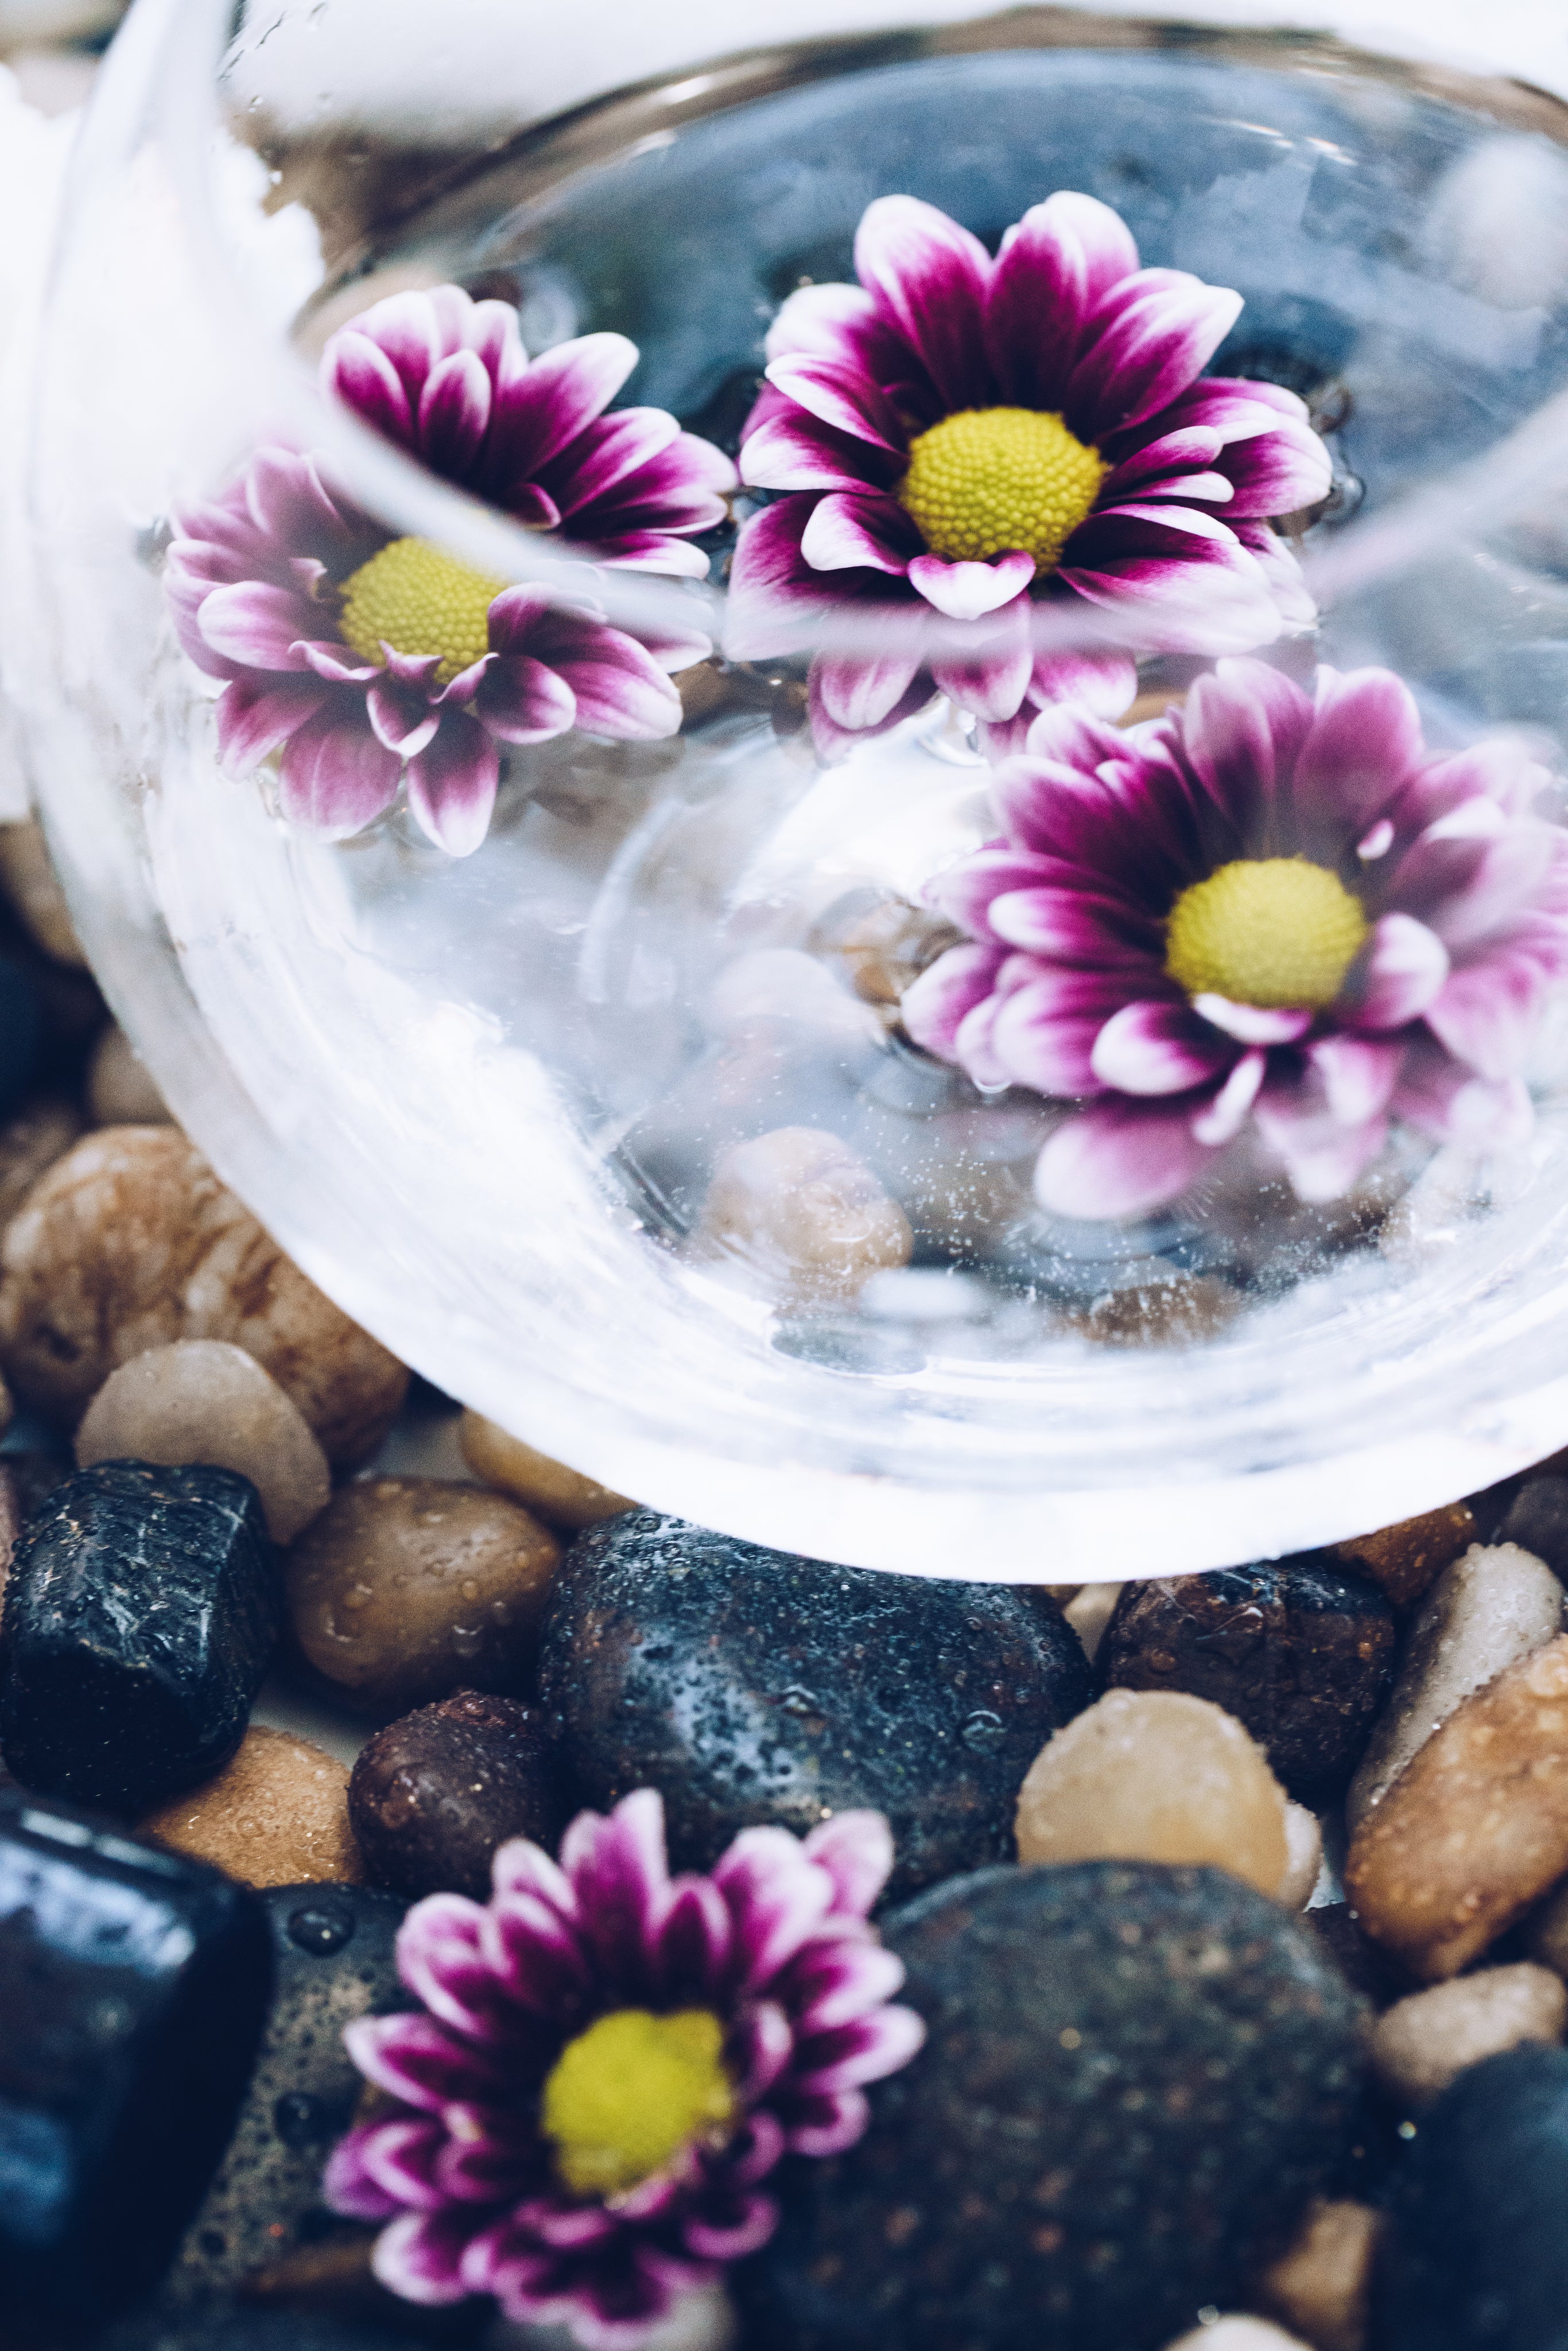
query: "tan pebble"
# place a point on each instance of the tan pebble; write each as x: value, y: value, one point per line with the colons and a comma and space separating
x: 130, y: 1242
x: 1065, y: 1594
x: 1475, y: 1828
x: 1240, y: 2335
x: 1304, y: 1857
x: 31, y: 1140
x: 879, y: 943
x: 1089, y: 1611
x: 1485, y: 1612
x: 407, y: 1588
x: 1420, y: 2045
x: 1322, y: 2284
x: 119, y: 1088
x: 277, y: 1815
x: 204, y: 1400
x: 1404, y: 1558
x: 33, y: 891
x: 562, y: 1495
x: 803, y: 1215
x: 1156, y: 1775
x: 1171, y: 1309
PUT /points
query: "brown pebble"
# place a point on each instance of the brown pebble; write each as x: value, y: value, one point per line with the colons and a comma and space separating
x: 1421, y: 2044
x: 802, y: 1215
x: 277, y: 1815
x: 1404, y: 1558
x: 406, y: 1589
x: 1475, y: 1828
x: 32, y: 1139
x: 128, y: 1242
x: 119, y: 1088
x: 433, y: 1795
x: 33, y: 891
x: 1321, y: 2286
x: 1089, y: 1611
x: 563, y: 1496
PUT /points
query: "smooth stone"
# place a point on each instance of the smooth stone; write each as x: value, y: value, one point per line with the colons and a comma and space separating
x: 562, y: 1496
x: 27, y: 876
x: 34, y: 1135
x: 1537, y: 1521
x: 133, y: 1987
x: 406, y: 1589
x: 1479, y: 2255
x: 277, y: 1815
x: 334, y: 1960
x: 1134, y: 2079
x: 130, y: 1241
x: 1089, y: 1611
x: 1421, y: 2044
x: 1303, y: 1857
x: 1320, y: 2285
x: 204, y: 1400
x: 751, y: 1686
x: 1156, y: 1775
x: 802, y: 1217
x: 120, y: 1087
x: 142, y: 1609
x: 431, y: 1797
x: 1301, y: 1650
x: 1404, y: 1558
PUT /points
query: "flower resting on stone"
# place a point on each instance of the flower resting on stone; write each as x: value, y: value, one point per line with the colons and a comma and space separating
x: 963, y: 441
x: 361, y: 657
x: 1272, y: 907
x: 609, y: 2062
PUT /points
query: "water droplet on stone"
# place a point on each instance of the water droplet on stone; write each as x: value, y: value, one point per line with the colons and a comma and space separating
x: 322, y: 1926
x: 299, y: 2119
x: 983, y: 1730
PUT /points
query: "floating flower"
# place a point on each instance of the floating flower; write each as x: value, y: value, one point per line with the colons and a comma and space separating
x: 1269, y: 906
x: 363, y: 657
x: 963, y: 440
x: 609, y: 2061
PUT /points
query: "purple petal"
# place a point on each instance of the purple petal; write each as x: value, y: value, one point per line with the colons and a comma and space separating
x: 560, y: 395
x: 535, y: 1952
x: 1365, y: 739
x: 827, y: 2125
x: 761, y: 2050
x: 401, y: 717
x: 775, y: 599
x: 651, y: 550
x: 847, y: 533
x: 346, y: 2187
x: 867, y: 2050
x: 454, y: 412
x: 933, y: 1009
x: 1045, y: 1031
x: 930, y: 277
x: 790, y: 451
x: 841, y: 395
x: 440, y: 1958
x: 856, y: 1848
x: 335, y: 777
x: 522, y: 1867
x: 992, y: 680
x: 452, y: 784
x: 1052, y: 271
x: 1242, y: 730
x: 526, y: 701
x: 1117, y: 1159
x: 858, y: 690
x: 1399, y: 973
x: 1175, y: 578
x: 1222, y: 1118
x: 1277, y: 473
x: 1322, y: 1157
x: 253, y: 720
x: 1358, y: 1076
x: 1172, y: 455
x: 334, y: 662
x: 755, y: 2218
x: 414, y: 2059
x: 356, y: 371
x: 1160, y: 328
x: 777, y: 1897
x: 419, y: 2257
x: 1253, y: 1024
x: 401, y: 2158
x: 832, y: 741
x: 1156, y: 1049
x: 603, y: 457
x: 966, y: 591
x: 1447, y: 1101
x: 694, y: 1945
x: 259, y: 625
x: 835, y: 1985
x: 620, y: 689
x: 1486, y: 1013
x: 620, y: 1877
x: 1079, y: 926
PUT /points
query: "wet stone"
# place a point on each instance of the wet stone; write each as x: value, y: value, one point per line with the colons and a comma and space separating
x: 802, y: 1217
x: 142, y: 1606
x: 1134, y: 2080
x: 277, y: 1815
x: 751, y: 1685
x: 1537, y: 1521
x: 1366, y: 1967
x: 1404, y: 1558
x: 1322, y: 2284
x: 432, y: 1796
x: 562, y: 1496
x: 1301, y: 1650
x: 133, y: 1992
x: 1421, y: 2044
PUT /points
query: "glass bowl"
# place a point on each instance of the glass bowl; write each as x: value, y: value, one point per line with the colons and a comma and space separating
x: 520, y: 1110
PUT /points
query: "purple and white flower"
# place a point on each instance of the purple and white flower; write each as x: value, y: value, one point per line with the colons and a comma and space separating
x: 970, y: 447
x: 1273, y: 907
x: 609, y: 2062
x: 362, y: 658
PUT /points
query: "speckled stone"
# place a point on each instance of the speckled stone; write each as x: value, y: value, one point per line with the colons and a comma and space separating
x: 749, y: 1685
x: 1135, y: 2078
x: 1301, y: 1650
x: 432, y: 1796
x: 1537, y: 1521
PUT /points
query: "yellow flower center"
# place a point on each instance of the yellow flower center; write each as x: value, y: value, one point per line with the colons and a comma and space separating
x: 418, y: 601
x: 991, y: 479
x: 1269, y: 931
x: 628, y: 2094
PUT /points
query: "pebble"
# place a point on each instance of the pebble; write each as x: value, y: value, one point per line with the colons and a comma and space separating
x: 1322, y: 2284
x: 563, y: 1496
x: 430, y: 1797
x: 1479, y: 2255
x: 277, y: 1814
x: 142, y: 1608
x: 42, y: 1131
x: 133, y: 1992
x: 1239, y: 2335
x: 31, y: 890
x: 1089, y: 1611
x: 751, y: 1686
x: 1303, y: 1857
x: 1404, y: 1558
x: 205, y: 1400
x: 332, y: 1951
x: 1301, y: 1650
x: 1546, y: 1931
x: 406, y: 1589
x: 803, y: 1216
x: 1156, y: 1775
x: 1484, y: 1612
x: 128, y: 1242
x: 1421, y: 2044
x: 1475, y: 1828
x: 120, y: 1087
x: 1366, y: 1967
x: 1537, y: 1521
x: 1135, y: 2078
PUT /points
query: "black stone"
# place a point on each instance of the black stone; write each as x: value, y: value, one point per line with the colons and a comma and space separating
x: 749, y: 1685
x: 1537, y: 1521
x: 21, y: 1032
x: 1366, y: 1965
x: 433, y: 1795
x: 140, y: 1612
x: 333, y: 1954
x: 1135, y: 2078
x: 133, y: 1985
x: 1478, y: 2256
x: 1301, y: 1650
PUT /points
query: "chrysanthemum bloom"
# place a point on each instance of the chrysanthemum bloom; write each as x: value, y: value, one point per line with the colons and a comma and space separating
x: 364, y: 656
x: 965, y: 442
x: 611, y: 2061
x: 1269, y: 906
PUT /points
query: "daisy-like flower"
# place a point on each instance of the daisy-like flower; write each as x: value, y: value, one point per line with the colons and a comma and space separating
x: 1271, y: 906
x: 609, y: 2061
x: 963, y: 441
x: 363, y: 657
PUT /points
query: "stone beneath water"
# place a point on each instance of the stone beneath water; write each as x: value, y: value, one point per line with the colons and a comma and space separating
x: 562, y: 1496
x: 142, y: 1606
x: 275, y: 1814
x: 132, y: 1991
x: 1135, y: 2078
x: 430, y: 1797
x: 749, y: 1685
x: 1405, y: 1558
